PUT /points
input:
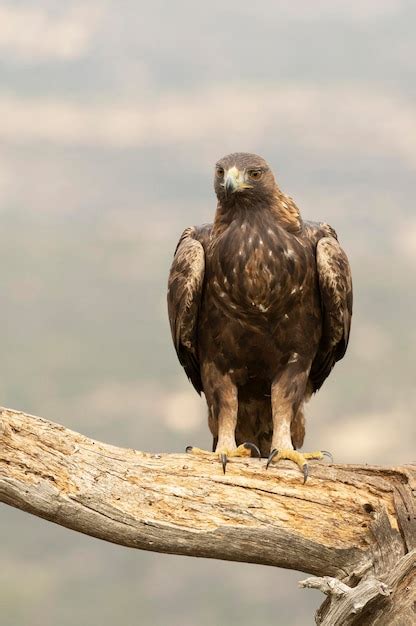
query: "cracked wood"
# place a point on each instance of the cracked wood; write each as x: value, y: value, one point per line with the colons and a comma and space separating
x: 335, y: 525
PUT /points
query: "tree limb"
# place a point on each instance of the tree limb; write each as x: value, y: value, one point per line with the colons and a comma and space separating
x: 350, y: 522
x: 371, y: 601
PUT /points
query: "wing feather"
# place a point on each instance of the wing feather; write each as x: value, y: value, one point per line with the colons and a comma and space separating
x: 335, y: 285
x: 184, y: 298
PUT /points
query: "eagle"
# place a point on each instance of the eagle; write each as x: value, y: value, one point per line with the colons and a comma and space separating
x: 260, y: 306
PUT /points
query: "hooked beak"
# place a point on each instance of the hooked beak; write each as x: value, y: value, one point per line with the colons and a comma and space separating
x: 230, y: 185
x: 234, y: 181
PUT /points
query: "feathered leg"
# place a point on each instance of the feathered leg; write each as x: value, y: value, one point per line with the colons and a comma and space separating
x: 222, y: 398
x: 288, y: 393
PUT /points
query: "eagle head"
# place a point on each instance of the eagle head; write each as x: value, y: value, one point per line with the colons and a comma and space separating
x: 244, y: 178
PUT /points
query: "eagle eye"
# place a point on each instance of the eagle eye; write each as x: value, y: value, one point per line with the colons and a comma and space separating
x: 220, y: 171
x: 255, y: 174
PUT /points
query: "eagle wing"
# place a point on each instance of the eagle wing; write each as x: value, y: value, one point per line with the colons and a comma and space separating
x: 335, y: 285
x: 185, y: 287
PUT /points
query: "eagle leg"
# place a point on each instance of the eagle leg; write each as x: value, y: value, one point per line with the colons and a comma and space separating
x: 288, y: 393
x: 224, y: 454
x: 222, y: 398
x: 301, y: 459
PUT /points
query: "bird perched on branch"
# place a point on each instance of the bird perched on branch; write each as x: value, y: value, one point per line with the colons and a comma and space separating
x: 260, y: 306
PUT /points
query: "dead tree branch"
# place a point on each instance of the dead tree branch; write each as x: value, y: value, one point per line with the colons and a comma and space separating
x: 352, y: 523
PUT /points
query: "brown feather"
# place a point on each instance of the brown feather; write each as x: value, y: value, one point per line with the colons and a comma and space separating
x: 184, y: 297
x: 256, y: 298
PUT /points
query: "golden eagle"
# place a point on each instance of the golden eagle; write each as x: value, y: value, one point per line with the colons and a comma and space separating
x: 260, y: 306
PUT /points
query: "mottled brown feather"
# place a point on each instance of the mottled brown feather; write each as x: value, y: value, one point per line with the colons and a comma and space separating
x: 255, y: 298
x: 184, y: 297
x: 335, y: 284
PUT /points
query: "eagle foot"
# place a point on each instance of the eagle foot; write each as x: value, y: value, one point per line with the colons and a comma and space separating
x: 301, y: 459
x: 223, y: 454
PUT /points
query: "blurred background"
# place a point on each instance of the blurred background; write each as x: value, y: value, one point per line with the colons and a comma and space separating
x: 112, y: 115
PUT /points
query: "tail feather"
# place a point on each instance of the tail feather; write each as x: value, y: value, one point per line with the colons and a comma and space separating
x: 255, y: 423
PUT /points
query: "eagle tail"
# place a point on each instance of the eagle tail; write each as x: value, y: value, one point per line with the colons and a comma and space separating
x: 255, y: 422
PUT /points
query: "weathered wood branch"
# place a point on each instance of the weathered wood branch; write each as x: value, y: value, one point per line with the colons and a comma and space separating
x: 353, y: 523
x: 372, y: 601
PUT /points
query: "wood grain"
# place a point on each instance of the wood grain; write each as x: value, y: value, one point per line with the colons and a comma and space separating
x: 351, y: 522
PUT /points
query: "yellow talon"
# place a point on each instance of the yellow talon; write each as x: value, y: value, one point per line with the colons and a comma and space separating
x: 301, y: 459
x: 244, y: 450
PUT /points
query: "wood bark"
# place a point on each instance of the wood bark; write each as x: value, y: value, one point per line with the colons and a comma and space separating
x: 353, y: 527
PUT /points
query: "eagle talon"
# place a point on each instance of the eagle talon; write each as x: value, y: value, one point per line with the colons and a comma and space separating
x: 328, y: 455
x: 271, y: 457
x: 300, y: 459
x: 252, y: 446
x: 224, y: 461
x: 223, y: 454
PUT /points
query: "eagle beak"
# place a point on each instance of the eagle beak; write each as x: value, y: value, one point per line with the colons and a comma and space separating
x: 235, y: 181
x: 232, y: 180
